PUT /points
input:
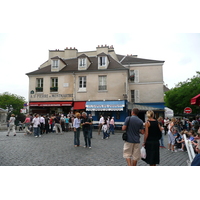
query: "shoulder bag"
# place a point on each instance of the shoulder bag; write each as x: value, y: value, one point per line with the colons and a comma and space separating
x: 124, y: 135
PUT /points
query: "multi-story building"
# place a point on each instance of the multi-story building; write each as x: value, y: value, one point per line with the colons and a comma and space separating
x: 99, y: 82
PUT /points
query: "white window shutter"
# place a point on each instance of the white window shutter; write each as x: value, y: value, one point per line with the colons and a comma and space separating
x: 136, y: 76
x: 137, y: 96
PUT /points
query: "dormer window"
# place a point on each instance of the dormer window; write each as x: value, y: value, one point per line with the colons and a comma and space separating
x: 102, y: 61
x: 82, y: 62
x: 55, y: 64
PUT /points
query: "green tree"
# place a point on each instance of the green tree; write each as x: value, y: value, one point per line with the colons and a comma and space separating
x: 17, y: 102
x: 179, y: 97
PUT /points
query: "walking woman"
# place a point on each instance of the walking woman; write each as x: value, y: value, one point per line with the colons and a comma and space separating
x: 151, y: 140
x: 77, y: 129
x: 27, y: 123
x: 11, y: 125
x: 160, y: 121
x: 171, y: 138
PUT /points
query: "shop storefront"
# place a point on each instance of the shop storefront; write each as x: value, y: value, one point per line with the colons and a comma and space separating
x: 116, y: 109
x: 158, y: 109
x: 50, y: 107
x: 79, y: 106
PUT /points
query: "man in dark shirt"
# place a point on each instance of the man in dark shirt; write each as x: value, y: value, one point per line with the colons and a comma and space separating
x: 86, y: 122
x: 133, y: 126
x: 58, y: 124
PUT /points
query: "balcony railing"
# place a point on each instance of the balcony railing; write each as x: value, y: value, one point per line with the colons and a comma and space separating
x: 53, y: 89
x: 39, y: 89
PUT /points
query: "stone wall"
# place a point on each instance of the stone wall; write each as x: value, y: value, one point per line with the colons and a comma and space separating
x: 3, y: 116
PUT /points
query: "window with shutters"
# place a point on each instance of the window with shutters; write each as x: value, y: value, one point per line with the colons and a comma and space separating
x: 135, y: 96
x: 39, y: 85
x: 134, y: 76
x: 82, y: 83
x: 102, y: 83
x: 54, y: 85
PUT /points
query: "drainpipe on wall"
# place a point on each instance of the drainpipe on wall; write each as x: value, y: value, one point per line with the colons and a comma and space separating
x: 74, y: 92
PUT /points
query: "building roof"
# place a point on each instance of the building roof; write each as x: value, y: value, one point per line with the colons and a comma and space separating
x: 133, y: 60
x: 166, y: 89
x: 72, y: 66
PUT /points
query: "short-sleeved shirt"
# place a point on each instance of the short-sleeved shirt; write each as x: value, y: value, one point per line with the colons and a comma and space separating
x: 67, y: 120
x: 86, y: 126
x: 12, y: 120
x: 57, y: 120
x: 133, y: 130
x: 27, y: 120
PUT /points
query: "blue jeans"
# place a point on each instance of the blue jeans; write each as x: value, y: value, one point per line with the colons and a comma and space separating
x: 105, y: 135
x: 86, y: 134
x: 36, y: 131
x: 162, y: 139
x: 77, y: 137
x: 91, y: 127
x: 112, y: 128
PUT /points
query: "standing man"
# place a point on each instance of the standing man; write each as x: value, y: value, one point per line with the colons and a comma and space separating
x: 36, y: 126
x: 58, y: 124
x: 112, y: 126
x: 101, y: 122
x: 134, y: 127
x: 42, y: 124
x: 86, y: 122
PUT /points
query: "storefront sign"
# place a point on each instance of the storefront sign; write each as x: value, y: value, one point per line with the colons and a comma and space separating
x: 49, y: 96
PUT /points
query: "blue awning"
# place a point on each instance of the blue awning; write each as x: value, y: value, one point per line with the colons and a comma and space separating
x: 105, y: 105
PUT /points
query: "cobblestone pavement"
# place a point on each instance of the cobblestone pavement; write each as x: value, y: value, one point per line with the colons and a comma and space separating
x: 58, y: 150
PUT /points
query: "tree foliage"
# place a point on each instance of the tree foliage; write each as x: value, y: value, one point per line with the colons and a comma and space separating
x: 17, y: 102
x: 179, y: 97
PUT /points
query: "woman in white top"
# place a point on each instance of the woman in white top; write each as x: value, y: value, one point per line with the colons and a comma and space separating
x: 12, y: 125
x: 77, y: 129
x: 171, y: 138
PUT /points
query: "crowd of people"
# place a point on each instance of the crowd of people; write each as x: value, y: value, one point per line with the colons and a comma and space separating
x: 44, y: 124
x: 154, y: 131
x: 177, y: 127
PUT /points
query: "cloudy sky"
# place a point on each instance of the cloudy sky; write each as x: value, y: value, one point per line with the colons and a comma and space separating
x: 164, y: 32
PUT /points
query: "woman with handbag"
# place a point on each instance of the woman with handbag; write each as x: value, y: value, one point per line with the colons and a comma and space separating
x: 12, y: 125
x: 151, y: 140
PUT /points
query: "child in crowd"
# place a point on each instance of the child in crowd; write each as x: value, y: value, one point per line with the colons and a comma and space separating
x: 182, y: 141
x: 191, y: 135
x: 20, y: 126
x: 105, y: 129
x: 172, y: 138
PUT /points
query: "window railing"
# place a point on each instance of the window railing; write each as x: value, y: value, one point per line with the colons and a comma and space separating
x: 39, y: 89
x: 53, y: 89
x: 103, y: 87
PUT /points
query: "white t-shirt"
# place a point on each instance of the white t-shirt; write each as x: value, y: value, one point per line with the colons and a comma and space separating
x: 101, y: 121
x: 105, y: 127
x: 36, y: 122
x: 12, y: 120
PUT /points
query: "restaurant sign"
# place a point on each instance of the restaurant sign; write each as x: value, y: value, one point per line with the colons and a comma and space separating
x: 49, y: 96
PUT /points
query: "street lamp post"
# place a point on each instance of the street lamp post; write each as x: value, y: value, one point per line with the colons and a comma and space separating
x: 9, y: 109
